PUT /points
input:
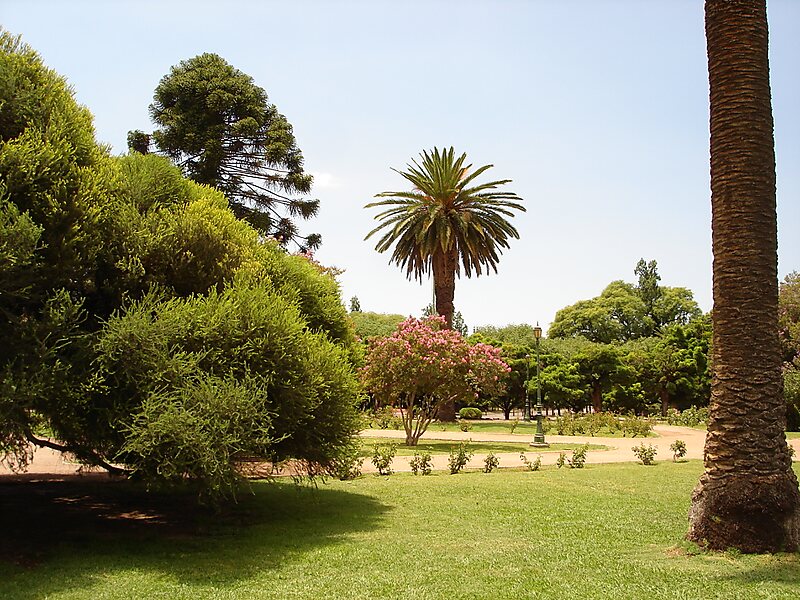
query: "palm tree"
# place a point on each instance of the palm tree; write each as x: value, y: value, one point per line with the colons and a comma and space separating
x: 748, y: 496
x: 446, y: 223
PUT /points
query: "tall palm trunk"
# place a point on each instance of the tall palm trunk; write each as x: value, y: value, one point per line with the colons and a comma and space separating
x: 444, y: 287
x: 748, y: 496
x: 444, y: 282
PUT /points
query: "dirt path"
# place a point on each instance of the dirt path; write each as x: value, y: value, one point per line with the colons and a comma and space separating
x: 619, y: 448
x: 50, y: 462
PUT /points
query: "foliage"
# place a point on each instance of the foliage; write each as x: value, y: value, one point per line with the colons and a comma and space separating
x: 678, y: 448
x: 624, y: 312
x: 384, y: 418
x: 422, y: 366
x: 533, y: 465
x: 464, y: 425
x: 469, y: 412
x: 578, y: 459
x: 370, y: 325
x: 244, y: 375
x: 789, y: 333
x: 446, y: 223
x: 382, y: 457
x: 347, y: 465
x: 144, y: 324
x: 490, y: 462
x: 646, y: 454
x: 221, y: 129
x: 458, y: 319
x: 421, y: 463
x: 459, y: 457
x: 691, y: 417
x: 561, y: 460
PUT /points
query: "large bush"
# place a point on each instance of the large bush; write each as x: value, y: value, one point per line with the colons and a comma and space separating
x: 145, y: 327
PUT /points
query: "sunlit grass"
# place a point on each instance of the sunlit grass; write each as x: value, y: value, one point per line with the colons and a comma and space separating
x: 611, y: 531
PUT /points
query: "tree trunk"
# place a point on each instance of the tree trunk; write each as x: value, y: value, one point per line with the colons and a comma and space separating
x: 444, y: 283
x: 664, y: 401
x: 597, y: 398
x: 444, y: 286
x: 748, y: 496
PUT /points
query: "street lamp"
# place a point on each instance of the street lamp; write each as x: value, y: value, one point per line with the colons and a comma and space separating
x: 538, y: 437
x: 526, y: 416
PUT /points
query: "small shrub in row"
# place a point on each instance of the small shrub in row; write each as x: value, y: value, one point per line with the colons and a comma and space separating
x: 382, y: 457
x: 646, y: 454
x: 459, y: 457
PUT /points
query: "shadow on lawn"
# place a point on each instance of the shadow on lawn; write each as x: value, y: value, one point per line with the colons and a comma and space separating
x: 63, y: 533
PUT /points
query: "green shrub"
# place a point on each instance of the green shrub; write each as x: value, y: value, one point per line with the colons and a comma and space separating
x: 470, y: 412
x: 578, y: 457
x: 531, y: 465
x: 203, y: 382
x: 636, y: 426
x: 464, y: 425
x: 646, y: 454
x: 691, y: 417
x: 678, y: 448
x: 382, y: 457
x: 490, y: 463
x: 561, y: 460
x: 513, y: 424
x: 382, y: 417
x: 421, y: 463
x: 348, y: 465
x: 459, y: 457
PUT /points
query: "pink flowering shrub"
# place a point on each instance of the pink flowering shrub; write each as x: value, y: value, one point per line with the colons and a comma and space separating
x: 423, y: 365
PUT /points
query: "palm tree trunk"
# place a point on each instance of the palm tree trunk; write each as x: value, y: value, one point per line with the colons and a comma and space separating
x: 748, y: 497
x: 444, y: 283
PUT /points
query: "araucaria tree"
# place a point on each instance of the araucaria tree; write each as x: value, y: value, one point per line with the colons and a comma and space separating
x: 424, y: 366
x: 748, y: 497
x: 446, y: 222
x: 220, y: 128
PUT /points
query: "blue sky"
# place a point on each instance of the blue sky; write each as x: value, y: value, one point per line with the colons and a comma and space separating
x: 597, y: 110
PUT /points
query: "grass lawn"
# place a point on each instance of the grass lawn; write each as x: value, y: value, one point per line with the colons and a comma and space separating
x: 793, y: 435
x: 611, y: 531
x: 444, y: 446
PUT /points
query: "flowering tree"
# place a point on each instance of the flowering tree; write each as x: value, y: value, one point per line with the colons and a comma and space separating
x: 423, y: 365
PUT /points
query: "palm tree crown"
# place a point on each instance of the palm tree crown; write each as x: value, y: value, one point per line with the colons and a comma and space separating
x: 446, y: 214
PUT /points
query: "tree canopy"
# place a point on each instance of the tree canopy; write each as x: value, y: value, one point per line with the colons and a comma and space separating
x: 221, y: 129
x: 446, y: 223
x: 624, y: 312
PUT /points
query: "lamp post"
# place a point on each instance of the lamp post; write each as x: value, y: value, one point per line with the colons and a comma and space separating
x: 526, y: 416
x: 538, y: 437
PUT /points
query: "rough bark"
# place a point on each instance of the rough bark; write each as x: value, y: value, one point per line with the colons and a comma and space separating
x: 597, y: 398
x: 444, y: 285
x: 748, y: 497
x: 662, y: 392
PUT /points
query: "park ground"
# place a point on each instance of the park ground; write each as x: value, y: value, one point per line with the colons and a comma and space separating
x: 605, y: 531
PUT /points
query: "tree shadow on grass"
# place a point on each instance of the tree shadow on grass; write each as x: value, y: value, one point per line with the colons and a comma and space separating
x: 64, y: 533
x: 783, y: 569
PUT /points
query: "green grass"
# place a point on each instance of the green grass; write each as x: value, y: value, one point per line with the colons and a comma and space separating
x: 793, y: 435
x: 443, y: 446
x: 611, y: 531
